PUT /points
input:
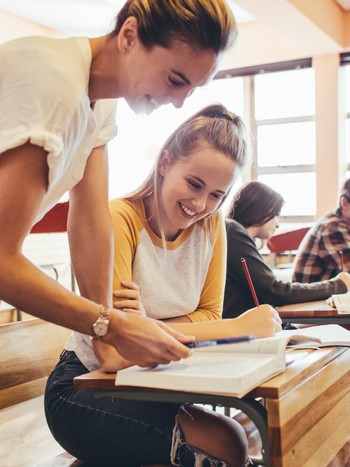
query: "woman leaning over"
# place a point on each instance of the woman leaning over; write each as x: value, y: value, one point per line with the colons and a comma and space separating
x: 58, y: 102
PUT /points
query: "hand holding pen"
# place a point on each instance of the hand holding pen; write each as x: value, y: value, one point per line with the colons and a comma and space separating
x: 226, y: 340
x: 274, y: 320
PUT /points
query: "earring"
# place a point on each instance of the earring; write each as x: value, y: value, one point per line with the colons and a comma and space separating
x: 123, y: 50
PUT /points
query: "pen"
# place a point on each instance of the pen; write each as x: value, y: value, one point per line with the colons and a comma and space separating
x: 227, y: 340
x: 250, y: 283
x: 341, y: 260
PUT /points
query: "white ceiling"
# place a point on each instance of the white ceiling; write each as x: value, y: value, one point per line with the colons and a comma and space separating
x: 80, y: 17
x: 275, y: 30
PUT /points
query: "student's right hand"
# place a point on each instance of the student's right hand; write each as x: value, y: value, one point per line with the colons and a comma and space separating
x: 262, y: 321
x: 345, y: 277
x: 144, y: 341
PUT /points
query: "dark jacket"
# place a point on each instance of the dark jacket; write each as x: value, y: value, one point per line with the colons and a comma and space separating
x: 238, y: 297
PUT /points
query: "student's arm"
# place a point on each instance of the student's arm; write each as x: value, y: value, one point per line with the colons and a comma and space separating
x: 90, y: 230
x: 318, y: 255
x: 125, y: 238
x: 336, y: 238
x: 262, y: 321
x: 23, y: 184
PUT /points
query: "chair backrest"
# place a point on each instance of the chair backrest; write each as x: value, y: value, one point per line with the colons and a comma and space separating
x: 287, y: 241
x: 54, y: 220
x: 28, y: 352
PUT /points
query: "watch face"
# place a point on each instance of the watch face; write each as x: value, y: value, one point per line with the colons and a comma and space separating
x: 100, y: 328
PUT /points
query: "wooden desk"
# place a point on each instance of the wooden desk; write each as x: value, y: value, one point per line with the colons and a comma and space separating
x: 312, y: 313
x: 305, y: 418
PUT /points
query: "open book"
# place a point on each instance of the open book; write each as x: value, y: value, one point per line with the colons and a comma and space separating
x: 233, y: 369
x: 341, y: 302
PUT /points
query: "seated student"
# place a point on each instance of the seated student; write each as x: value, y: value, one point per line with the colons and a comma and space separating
x: 254, y: 214
x: 325, y: 250
x: 169, y: 239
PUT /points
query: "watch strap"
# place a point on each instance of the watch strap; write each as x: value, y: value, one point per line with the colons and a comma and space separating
x: 103, y: 319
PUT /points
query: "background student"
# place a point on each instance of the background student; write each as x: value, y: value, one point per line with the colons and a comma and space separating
x: 170, y: 240
x: 57, y: 115
x: 325, y: 250
x: 254, y: 215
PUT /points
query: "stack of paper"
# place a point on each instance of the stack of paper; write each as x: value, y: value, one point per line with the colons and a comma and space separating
x: 341, y: 302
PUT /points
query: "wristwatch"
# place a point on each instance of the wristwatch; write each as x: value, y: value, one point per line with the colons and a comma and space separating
x: 100, y: 326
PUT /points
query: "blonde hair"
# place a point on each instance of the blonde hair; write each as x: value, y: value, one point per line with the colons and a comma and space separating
x: 215, y: 126
x: 206, y: 24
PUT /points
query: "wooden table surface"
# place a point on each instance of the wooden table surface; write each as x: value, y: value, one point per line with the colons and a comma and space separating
x: 318, y: 312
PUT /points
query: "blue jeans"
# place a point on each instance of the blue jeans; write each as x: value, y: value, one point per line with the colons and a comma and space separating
x: 111, y: 431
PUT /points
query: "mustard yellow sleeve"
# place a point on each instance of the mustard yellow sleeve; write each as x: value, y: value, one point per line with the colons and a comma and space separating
x: 212, y: 296
x: 126, y: 227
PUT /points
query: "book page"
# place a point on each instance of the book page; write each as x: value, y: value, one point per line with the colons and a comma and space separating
x: 267, y: 345
x: 325, y: 335
x: 310, y: 337
x: 341, y: 302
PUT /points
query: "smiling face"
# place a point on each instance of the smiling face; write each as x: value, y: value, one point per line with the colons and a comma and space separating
x: 193, y: 187
x: 159, y: 76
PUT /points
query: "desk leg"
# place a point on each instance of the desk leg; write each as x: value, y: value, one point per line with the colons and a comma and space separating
x: 258, y: 415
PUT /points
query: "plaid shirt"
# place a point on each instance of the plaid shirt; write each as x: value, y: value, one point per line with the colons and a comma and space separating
x: 318, y: 256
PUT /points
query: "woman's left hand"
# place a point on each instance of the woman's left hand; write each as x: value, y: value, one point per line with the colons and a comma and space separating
x: 129, y: 298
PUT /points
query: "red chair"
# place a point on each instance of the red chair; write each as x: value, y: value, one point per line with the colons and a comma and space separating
x: 55, y: 221
x: 286, y: 242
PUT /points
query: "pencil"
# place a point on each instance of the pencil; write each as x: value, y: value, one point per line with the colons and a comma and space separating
x: 341, y: 260
x: 250, y: 283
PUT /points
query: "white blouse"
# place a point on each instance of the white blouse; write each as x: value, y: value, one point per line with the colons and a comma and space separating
x: 44, y: 99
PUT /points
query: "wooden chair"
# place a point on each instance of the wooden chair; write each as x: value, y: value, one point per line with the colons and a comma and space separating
x: 29, y: 350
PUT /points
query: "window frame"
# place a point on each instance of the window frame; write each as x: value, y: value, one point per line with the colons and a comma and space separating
x: 249, y: 73
x: 344, y: 60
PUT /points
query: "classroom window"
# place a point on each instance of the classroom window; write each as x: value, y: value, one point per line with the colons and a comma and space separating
x: 284, y: 113
x: 286, y: 144
x: 284, y: 94
x: 297, y: 205
x: 347, y: 116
